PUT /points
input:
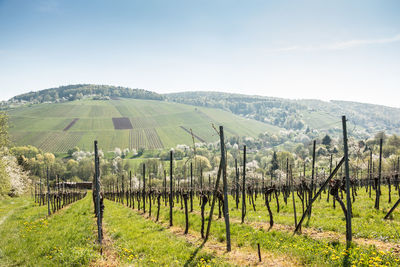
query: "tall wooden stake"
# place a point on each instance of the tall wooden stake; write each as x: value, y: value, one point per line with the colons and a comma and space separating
x: 244, y: 185
x: 310, y: 196
x: 225, y: 189
x: 191, y: 187
x: 378, y: 186
x: 48, y: 192
x: 97, y: 181
x: 170, y: 187
x: 144, y: 188
x: 347, y: 174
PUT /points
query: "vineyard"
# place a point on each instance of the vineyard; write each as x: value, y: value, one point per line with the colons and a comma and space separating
x: 342, y: 215
x: 122, y: 123
x: 299, y: 219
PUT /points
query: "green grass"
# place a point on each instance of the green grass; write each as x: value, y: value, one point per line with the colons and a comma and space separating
x: 30, y: 238
x: 308, y: 251
x: 141, y: 242
x: 42, y: 125
x: 367, y: 222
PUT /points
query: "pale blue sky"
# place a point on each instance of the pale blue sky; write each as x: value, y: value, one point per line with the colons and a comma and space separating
x: 347, y: 50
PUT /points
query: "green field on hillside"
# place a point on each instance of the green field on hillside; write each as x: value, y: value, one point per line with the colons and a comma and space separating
x: 155, y: 124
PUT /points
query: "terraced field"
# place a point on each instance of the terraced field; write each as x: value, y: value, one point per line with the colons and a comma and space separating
x: 155, y: 124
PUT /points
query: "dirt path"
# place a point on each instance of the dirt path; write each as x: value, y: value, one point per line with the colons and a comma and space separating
x: 109, y: 256
x: 238, y: 256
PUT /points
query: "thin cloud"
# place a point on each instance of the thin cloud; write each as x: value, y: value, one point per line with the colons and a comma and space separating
x: 341, y: 45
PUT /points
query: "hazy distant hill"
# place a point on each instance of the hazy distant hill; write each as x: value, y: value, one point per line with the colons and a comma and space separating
x: 366, y: 119
x: 78, y: 91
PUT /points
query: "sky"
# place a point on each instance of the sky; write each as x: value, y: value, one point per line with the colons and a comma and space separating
x: 329, y: 50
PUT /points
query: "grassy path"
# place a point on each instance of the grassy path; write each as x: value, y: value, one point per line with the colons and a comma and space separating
x: 30, y: 238
x: 138, y: 241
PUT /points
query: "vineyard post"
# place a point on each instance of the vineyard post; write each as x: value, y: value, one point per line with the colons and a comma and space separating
x: 35, y: 191
x: 130, y: 188
x: 237, y: 184
x: 123, y: 189
x: 397, y: 174
x: 371, y: 173
x: 165, y: 187
x: 97, y: 181
x: 310, y: 196
x: 149, y: 192
x: 330, y: 170
x: 285, y: 195
x: 378, y: 186
x: 40, y: 190
x: 191, y: 187
x: 185, y: 198
x: 225, y: 188
x: 392, y: 209
x: 48, y: 191
x: 144, y: 188
x: 170, y: 187
x: 244, y: 185
x: 294, y: 202
x: 347, y: 174
x: 201, y: 177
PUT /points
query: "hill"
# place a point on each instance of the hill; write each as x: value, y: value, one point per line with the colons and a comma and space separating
x: 366, y: 119
x: 79, y: 91
x: 123, y: 123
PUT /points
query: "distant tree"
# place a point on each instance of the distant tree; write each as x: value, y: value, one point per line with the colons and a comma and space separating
x: 274, y: 163
x: 380, y: 135
x: 322, y: 151
x: 394, y: 140
x: 72, y: 150
x: 326, y: 140
x: 47, y: 98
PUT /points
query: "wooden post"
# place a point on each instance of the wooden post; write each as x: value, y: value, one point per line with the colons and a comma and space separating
x: 392, y: 209
x: 312, y: 180
x: 97, y: 181
x: 170, y: 187
x: 347, y: 174
x: 378, y: 187
x: 48, y: 192
x: 225, y: 189
x: 191, y: 187
x: 244, y: 185
x: 144, y: 188
x: 185, y: 199
x: 165, y: 187
x: 294, y: 202
x: 237, y: 184
x: 130, y: 189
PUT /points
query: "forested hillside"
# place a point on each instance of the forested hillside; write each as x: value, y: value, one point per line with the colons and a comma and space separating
x: 78, y: 91
x: 299, y: 114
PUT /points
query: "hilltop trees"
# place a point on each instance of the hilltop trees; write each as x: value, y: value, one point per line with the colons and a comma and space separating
x: 79, y: 91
